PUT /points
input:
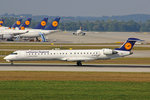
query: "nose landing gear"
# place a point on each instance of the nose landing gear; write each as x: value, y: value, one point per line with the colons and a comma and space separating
x: 79, y: 63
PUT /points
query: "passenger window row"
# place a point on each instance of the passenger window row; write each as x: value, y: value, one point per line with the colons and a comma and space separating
x: 63, y: 53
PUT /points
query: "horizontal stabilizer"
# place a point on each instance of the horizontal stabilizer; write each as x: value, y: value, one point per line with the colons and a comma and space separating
x: 134, y: 39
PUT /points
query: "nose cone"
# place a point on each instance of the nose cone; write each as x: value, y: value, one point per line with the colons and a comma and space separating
x: 7, y: 58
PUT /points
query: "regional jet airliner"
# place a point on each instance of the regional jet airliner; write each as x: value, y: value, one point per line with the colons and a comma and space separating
x: 73, y: 55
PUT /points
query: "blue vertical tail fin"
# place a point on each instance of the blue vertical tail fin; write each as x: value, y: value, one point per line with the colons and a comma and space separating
x: 1, y: 22
x: 25, y: 24
x: 42, y: 24
x: 128, y: 45
x: 9, y: 27
x: 53, y: 25
x: 17, y: 23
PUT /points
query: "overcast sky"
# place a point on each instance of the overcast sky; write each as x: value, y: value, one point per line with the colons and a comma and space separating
x: 75, y: 7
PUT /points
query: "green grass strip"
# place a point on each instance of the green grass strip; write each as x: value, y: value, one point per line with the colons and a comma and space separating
x: 73, y: 90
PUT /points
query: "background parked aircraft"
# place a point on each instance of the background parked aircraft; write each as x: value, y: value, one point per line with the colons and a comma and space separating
x: 40, y: 32
x: 8, y: 34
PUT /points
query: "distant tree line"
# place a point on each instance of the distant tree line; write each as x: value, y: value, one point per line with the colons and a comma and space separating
x: 134, y: 17
x: 99, y: 25
x: 109, y: 25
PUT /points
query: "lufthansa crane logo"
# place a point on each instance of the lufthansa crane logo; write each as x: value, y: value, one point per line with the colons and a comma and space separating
x: 22, y: 28
x: 128, y: 46
x: 55, y: 23
x: 18, y: 22
x: 43, y: 23
x: 1, y: 22
x: 27, y: 22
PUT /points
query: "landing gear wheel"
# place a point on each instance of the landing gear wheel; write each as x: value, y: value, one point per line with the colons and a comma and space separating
x: 79, y: 63
x: 12, y: 63
x: 37, y: 39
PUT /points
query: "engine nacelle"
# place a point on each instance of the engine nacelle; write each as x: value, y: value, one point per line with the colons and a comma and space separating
x: 109, y: 51
x: 74, y: 33
x: 83, y: 34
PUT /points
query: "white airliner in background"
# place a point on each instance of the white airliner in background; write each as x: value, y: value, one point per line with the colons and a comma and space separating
x: 79, y: 32
x: 73, y: 55
x: 10, y: 33
x: 42, y: 30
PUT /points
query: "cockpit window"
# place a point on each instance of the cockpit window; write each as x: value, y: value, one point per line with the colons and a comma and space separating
x: 14, y: 53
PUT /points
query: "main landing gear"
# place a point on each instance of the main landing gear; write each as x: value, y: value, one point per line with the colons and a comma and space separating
x: 12, y: 63
x: 79, y: 63
x: 37, y: 39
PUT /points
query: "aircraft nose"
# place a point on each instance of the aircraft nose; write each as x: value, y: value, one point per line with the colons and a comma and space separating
x: 7, y: 58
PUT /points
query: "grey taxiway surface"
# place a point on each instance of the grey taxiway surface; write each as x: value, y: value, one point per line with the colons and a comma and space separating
x: 97, y: 37
x: 71, y: 67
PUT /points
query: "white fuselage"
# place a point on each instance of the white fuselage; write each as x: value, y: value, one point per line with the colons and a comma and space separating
x: 32, y: 33
x: 10, y: 33
x: 65, y: 55
x: 3, y: 28
x: 79, y: 32
x: 28, y: 33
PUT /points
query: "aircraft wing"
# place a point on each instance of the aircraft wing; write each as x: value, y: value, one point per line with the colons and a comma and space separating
x: 77, y: 59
